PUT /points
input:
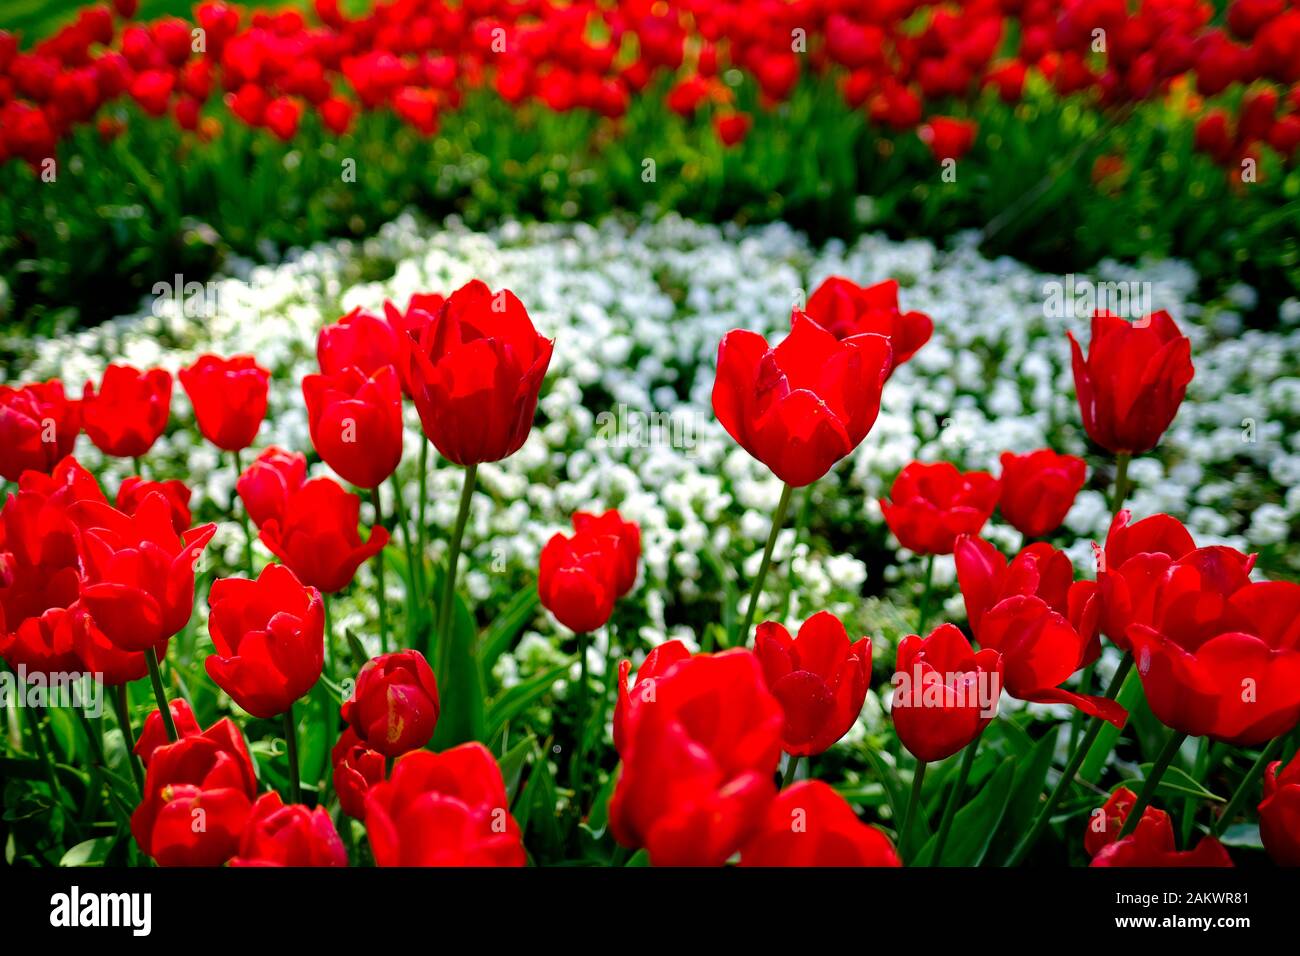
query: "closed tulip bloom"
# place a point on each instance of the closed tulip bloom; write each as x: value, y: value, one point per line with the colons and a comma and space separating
x: 356, y: 423
x: 627, y: 543
x: 360, y: 339
x: 394, y: 706
x: 819, y: 677
x: 658, y: 662
x: 154, y: 733
x: 845, y: 309
x: 1279, y: 813
x: 576, y: 579
x: 1221, y: 657
x: 129, y: 411
x: 476, y: 373
x: 802, y: 406
x: 279, y: 835
x: 698, y: 757
x: 266, y: 484
x: 269, y: 636
x: 317, y: 535
x: 229, y: 398
x: 447, y: 809
x: 40, y: 625
x: 209, y: 772
x: 421, y: 309
x: 1151, y: 844
x: 1132, y: 381
x: 357, y: 768
x: 1038, y: 489
x: 139, y: 573
x: 133, y: 490
x: 39, y: 425
x: 809, y: 824
x: 929, y: 505
x: 945, y: 692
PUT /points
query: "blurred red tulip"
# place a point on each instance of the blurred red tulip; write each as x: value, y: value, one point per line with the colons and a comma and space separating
x: 129, y: 412
x: 39, y: 426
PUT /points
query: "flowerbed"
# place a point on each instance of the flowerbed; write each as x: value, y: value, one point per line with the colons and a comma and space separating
x: 626, y: 420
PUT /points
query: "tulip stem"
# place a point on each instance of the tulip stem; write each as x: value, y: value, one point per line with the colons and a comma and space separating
x: 33, y: 716
x: 243, y: 515
x: 913, y: 805
x: 950, y: 808
x: 580, y: 718
x: 155, y: 678
x: 424, y: 499
x: 778, y: 519
x: 1165, y: 758
x: 412, y: 582
x: 291, y: 751
x: 1120, y: 491
x: 122, y: 707
x: 135, y: 463
x: 1247, y: 785
x: 449, y: 579
x: 379, y: 573
x: 1077, y: 757
x: 791, y: 765
x: 923, y: 615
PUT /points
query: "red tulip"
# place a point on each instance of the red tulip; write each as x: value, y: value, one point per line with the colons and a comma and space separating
x: 576, y: 579
x: 1133, y: 380
x: 359, y: 339
x: 819, y: 678
x: 476, y: 374
x: 42, y: 626
x: 282, y: 116
x: 409, y: 326
x: 657, y: 663
x: 39, y: 426
x: 802, y: 406
x: 394, y: 707
x: 845, y: 309
x: 356, y: 423
x: 229, y: 398
x: 948, y: 138
x: 130, y: 411
x: 357, y: 768
x: 447, y: 809
x: 276, y: 835
x: 269, y: 636
x: 266, y: 484
x: 809, y: 824
x: 1279, y: 812
x: 133, y: 490
x: 337, y: 113
x: 317, y: 535
x: 732, y: 128
x: 698, y: 760
x: 139, y: 573
x: 1037, y: 489
x: 1151, y: 844
x: 198, y: 794
x: 945, y: 692
x: 931, y: 504
x: 154, y: 733
x: 68, y: 482
x: 627, y: 543
x: 1221, y: 657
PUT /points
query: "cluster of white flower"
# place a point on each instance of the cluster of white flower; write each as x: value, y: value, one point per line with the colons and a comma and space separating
x: 637, y: 311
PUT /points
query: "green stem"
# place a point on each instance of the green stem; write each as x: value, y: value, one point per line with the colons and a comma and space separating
x: 1191, y: 803
x: 122, y: 708
x: 155, y: 678
x: 1152, y: 781
x: 379, y: 573
x: 791, y: 765
x: 424, y: 500
x: 580, y: 718
x: 243, y: 515
x: 1120, y: 491
x: 33, y: 717
x: 913, y: 805
x: 954, y: 798
x: 1247, y: 785
x: 135, y: 463
x: 291, y: 751
x: 778, y: 519
x: 923, y: 615
x: 1071, y: 768
x: 453, y: 558
x: 412, y: 570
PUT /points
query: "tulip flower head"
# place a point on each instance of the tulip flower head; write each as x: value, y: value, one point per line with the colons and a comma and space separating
x: 229, y: 398
x: 317, y: 535
x: 845, y: 309
x: 929, y: 505
x: 38, y: 428
x: 1279, y: 812
x: 394, y: 706
x: 279, y: 835
x: 1038, y: 489
x: 945, y: 692
x: 130, y: 410
x: 1150, y: 844
x: 809, y: 824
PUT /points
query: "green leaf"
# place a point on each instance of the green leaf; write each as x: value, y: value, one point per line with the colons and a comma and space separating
x: 89, y: 852
x: 1244, y: 835
x: 519, y: 697
x: 1129, y: 696
x: 460, y: 685
x: 1174, y: 783
x: 975, y: 824
x: 512, y: 763
x: 1026, y: 791
x: 501, y: 633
